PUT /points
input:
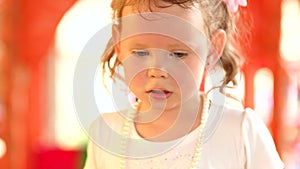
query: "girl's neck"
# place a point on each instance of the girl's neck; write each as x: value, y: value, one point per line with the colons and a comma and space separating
x: 169, y: 124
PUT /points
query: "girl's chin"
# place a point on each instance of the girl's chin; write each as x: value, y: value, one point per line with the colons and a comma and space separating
x: 159, y: 106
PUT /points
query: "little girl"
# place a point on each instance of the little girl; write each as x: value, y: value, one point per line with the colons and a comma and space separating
x: 164, y: 48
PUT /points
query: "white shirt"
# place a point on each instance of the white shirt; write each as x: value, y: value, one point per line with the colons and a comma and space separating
x: 232, y: 139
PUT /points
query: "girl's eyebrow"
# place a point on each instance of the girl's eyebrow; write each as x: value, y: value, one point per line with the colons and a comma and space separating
x: 183, y: 45
x: 175, y: 45
x: 169, y: 46
x: 139, y: 45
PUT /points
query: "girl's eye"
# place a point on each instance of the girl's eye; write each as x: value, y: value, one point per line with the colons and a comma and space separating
x: 140, y: 52
x: 179, y: 54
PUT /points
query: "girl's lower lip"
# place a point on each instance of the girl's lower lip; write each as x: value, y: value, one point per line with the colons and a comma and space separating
x: 160, y: 96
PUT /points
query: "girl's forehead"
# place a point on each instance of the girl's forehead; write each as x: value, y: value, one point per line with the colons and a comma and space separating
x: 162, y: 24
x: 191, y: 15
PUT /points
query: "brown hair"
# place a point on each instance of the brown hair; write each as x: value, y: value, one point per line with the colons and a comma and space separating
x: 216, y: 16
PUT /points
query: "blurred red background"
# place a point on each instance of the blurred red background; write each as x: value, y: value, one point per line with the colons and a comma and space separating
x: 27, y: 35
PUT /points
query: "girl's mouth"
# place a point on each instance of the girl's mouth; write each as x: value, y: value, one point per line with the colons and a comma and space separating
x: 158, y: 94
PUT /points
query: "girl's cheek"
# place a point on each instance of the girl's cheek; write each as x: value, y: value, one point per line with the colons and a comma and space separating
x: 133, y: 70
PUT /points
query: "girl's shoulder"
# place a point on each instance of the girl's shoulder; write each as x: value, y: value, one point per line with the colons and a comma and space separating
x: 221, y: 119
x: 246, y: 116
x: 224, y: 118
x: 245, y: 121
x: 241, y: 116
x: 112, y: 120
x: 225, y: 115
x: 106, y: 127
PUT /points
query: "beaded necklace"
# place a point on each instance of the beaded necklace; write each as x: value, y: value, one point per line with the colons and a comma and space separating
x: 198, y: 149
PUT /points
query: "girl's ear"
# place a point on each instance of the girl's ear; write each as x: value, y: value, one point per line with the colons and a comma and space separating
x: 116, y: 38
x: 218, y: 42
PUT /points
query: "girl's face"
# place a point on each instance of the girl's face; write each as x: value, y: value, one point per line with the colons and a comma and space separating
x: 163, y: 53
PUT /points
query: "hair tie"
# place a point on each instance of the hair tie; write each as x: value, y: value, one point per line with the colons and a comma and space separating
x: 233, y: 5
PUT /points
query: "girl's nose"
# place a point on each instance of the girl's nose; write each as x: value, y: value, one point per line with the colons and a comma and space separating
x: 157, y: 73
x: 157, y: 61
